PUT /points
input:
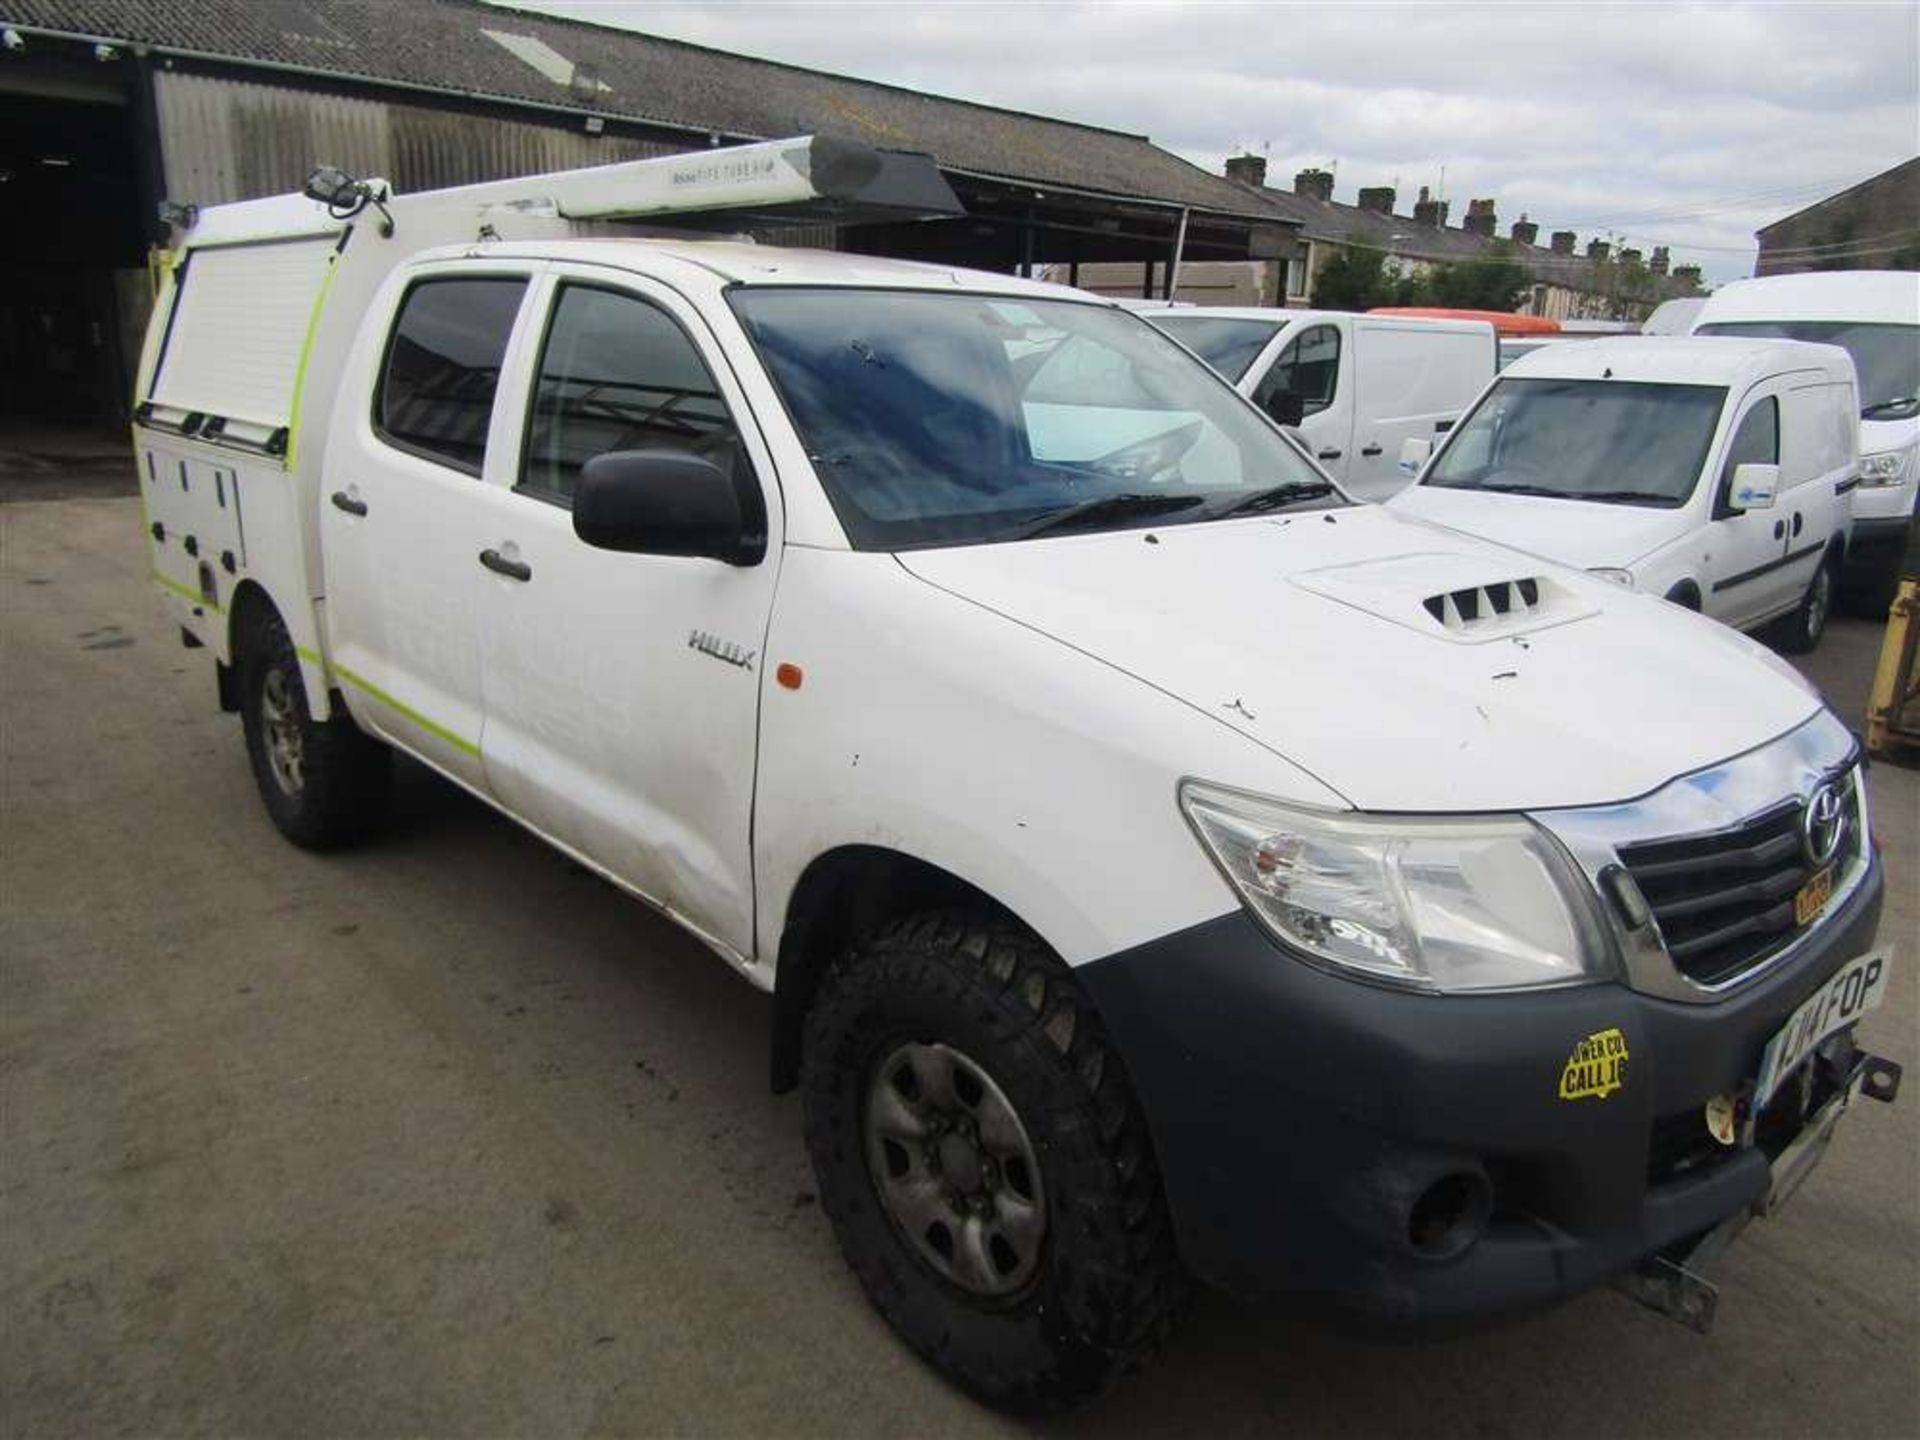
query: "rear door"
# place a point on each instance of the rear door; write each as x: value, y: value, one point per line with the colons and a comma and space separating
x: 1816, y: 460
x: 622, y: 691
x: 401, y: 513
x: 1316, y: 366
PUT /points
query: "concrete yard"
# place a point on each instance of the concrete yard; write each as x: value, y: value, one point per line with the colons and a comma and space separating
x: 444, y: 1137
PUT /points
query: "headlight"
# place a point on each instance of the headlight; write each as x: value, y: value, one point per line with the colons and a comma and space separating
x: 1434, y: 905
x: 1887, y: 468
x: 1618, y: 577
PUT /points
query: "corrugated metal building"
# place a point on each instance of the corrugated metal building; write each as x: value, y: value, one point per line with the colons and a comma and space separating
x: 109, y: 107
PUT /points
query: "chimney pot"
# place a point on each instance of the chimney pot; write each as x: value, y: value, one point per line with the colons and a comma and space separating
x: 1525, y: 232
x: 1378, y: 198
x: 1562, y: 243
x: 1658, y: 264
x: 1314, y: 183
x: 1597, y: 250
x: 1481, y: 219
x: 1248, y: 170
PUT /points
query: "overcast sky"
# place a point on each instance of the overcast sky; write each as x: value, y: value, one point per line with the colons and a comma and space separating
x: 1684, y: 125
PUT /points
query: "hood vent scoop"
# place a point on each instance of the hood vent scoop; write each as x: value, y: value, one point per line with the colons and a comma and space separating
x: 1485, y: 605
x: 1449, y: 597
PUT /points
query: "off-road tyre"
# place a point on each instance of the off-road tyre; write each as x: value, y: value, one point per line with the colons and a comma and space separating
x: 1801, y: 631
x: 343, y: 778
x: 1108, y: 1286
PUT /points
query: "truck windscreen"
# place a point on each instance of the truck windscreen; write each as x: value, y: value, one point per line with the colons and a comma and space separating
x: 946, y: 419
x: 1885, y: 357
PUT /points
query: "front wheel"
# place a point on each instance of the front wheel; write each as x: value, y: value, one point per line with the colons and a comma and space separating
x: 324, y: 782
x: 985, y: 1165
x: 1801, y: 631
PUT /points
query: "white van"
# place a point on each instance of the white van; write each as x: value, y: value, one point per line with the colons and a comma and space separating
x: 1162, y: 867
x: 1874, y: 315
x: 1355, y: 387
x: 1716, y: 473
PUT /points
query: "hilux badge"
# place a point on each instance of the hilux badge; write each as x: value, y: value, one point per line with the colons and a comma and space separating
x: 709, y: 644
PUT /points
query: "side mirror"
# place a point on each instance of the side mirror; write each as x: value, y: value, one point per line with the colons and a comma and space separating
x: 1286, y: 407
x: 1414, y: 452
x: 665, y: 502
x: 1754, y: 487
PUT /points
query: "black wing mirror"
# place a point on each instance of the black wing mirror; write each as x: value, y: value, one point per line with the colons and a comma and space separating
x: 667, y: 502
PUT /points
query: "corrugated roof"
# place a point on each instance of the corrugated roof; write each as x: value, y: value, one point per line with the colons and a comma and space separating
x: 444, y: 45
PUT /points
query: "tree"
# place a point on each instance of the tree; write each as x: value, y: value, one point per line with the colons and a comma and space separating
x: 1493, y: 280
x: 1356, y: 279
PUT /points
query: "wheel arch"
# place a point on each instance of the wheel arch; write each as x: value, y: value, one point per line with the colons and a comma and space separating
x: 249, y: 602
x: 1685, y: 593
x: 842, y: 893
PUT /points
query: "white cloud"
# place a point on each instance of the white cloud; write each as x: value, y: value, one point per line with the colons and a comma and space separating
x: 1689, y: 125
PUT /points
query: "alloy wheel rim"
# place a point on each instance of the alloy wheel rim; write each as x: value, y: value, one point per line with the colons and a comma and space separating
x: 954, y: 1168
x: 1817, y: 599
x: 281, y: 724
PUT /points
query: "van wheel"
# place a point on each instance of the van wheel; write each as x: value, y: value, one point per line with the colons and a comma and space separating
x: 1801, y: 631
x: 984, y: 1163
x: 323, y: 781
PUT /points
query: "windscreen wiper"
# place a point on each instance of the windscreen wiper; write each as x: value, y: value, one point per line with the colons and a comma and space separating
x: 1273, y: 497
x: 1123, y: 506
x: 1620, y: 497
x: 1899, y: 402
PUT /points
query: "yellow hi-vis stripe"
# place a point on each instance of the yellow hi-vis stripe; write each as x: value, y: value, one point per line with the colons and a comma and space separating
x: 361, y: 683
x: 306, y: 354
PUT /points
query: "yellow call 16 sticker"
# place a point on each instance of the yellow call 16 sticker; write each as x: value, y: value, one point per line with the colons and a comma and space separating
x: 1597, y: 1067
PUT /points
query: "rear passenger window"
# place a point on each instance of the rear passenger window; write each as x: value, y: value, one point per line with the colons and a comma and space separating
x: 443, y: 366
x: 617, y: 373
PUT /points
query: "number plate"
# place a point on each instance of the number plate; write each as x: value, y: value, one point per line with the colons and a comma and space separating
x: 1858, y: 988
x: 1811, y: 898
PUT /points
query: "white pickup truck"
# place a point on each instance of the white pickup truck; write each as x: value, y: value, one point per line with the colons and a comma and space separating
x: 1163, y: 867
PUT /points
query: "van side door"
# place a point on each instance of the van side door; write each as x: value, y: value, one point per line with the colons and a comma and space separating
x: 400, y: 516
x: 1412, y: 382
x: 622, y: 690
x: 1316, y: 367
x: 1816, y: 461
x: 1746, y: 553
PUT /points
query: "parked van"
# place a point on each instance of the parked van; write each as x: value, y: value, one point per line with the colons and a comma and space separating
x: 1716, y: 473
x: 1163, y: 867
x: 1874, y: 315
x: 1354, y: 386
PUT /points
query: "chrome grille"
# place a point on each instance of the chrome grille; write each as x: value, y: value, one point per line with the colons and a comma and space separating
x: 1724, y: 901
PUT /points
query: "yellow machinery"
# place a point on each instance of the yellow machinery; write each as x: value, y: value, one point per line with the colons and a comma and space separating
x: 1893, y: 706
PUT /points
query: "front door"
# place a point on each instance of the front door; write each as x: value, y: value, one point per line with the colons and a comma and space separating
x: 1311, y: 367
x: 1745, y: 575
x: 622, y: 690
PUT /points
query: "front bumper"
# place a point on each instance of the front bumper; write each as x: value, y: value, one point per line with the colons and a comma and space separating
x: 1300, y: 1117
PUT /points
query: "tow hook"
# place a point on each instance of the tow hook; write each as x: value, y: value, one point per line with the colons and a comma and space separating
x: 1673, y: 1285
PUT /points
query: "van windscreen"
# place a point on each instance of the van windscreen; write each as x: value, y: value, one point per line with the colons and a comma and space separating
x: 1885, y: 357
x: 1228, y: 345
x: 1615, y: 441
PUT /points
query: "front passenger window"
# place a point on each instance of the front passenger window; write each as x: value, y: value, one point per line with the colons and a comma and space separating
x: 1308, y: 367
x: 618, y: 373
x: 1756, y: 442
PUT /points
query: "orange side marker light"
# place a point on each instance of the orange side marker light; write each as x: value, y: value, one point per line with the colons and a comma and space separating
x: 788, y: 675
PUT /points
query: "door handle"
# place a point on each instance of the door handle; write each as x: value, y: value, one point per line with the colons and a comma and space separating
x: 500, y: 565
x: 1779, y: 529
x: 1371, y: 451
x: 343, y: 501
x: 1328, y: 455
x: 1798, y: 521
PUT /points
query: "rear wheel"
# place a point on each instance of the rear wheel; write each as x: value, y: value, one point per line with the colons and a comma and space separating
x: 1801, y: 631
x: 324, y: 782
x: 984, y: 1164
